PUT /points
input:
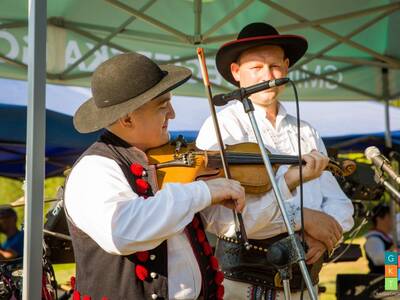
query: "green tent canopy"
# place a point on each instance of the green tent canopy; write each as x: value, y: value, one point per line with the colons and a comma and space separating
x: 352, y: 44
x: 353, y: 54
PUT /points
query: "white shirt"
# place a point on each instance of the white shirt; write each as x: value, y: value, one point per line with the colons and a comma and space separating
x: 101, y: 203
x: 262, y: 215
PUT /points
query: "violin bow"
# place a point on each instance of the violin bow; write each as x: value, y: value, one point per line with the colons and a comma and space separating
x: 237, y: 216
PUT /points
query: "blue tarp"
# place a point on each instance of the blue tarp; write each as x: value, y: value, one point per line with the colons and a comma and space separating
x: 64, y: 144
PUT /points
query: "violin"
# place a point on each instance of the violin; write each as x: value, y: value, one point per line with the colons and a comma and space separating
x: 184, y: 163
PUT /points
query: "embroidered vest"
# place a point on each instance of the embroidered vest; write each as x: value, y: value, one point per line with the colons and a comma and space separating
x: 142, y: 275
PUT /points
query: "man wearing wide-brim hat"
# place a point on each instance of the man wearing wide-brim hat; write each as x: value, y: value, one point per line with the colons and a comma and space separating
x: 259, y: 54
x: 131, y: 240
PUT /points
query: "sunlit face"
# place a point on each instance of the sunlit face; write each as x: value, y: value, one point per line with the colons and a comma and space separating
x: 150, y: 122
x: 261, y: 64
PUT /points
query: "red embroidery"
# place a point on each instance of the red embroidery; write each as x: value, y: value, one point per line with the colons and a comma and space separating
x: 195, y: 223
x: 214, y: 263
x: 201, y: 236
x: 137, y: 170
x: 73, y: 280
x: 141, y: 272
x: 219, y: 277
x: 76, y: 296
x: 86, y: 297
x: 142, y: 186
x: 220, y: 292
x: 207, y: 249
x: 143, y: 256
x: 104, y: 298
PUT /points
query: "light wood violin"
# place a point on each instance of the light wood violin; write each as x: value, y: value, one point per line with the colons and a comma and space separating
x: 185, y: 163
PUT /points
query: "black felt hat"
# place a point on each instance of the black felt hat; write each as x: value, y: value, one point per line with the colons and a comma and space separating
x: 254, y: 35
x: 122, y: 84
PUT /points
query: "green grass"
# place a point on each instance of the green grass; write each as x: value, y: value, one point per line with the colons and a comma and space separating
x: 11, y: 190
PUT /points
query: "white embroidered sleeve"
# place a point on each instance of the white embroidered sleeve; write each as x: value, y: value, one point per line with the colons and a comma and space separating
x: 101, y: 203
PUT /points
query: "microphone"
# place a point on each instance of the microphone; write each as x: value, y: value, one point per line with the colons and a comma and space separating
x: 222, y: 99
x: 381, y: 162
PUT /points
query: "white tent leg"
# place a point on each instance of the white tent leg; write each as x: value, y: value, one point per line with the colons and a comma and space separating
x: 388, y: 143
x: 36, y: 117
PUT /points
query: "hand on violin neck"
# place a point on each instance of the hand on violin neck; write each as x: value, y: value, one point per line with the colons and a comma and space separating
x: 227, y: 192
x: 315, y: 164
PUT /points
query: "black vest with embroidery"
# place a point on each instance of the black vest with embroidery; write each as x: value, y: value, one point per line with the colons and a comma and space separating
x: 142, y: 275
x: 372, y: 267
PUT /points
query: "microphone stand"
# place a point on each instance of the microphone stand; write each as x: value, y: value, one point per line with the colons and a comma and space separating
x: 380, y: 179
x: 292, y: 241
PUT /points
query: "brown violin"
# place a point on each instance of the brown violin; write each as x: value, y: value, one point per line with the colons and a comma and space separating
x: 185, y: 163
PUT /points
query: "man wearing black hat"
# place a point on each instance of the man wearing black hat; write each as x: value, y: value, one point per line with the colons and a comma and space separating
x: 14, y: 245
x: 131, y: 239
x: 259, y: 54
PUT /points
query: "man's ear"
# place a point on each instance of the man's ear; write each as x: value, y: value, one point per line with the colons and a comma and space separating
x: 127, y: 121
x: 286, y: 65
x: 235, y: 71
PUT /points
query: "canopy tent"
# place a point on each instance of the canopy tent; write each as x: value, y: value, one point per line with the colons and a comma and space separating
x: 353, y: 45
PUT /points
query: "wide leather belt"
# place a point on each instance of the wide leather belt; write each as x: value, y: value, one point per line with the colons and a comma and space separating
x: 251, y: 266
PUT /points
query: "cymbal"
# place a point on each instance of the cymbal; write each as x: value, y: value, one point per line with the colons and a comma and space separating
x: 21, y: 202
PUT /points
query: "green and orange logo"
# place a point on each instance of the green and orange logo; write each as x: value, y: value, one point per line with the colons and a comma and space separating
x: 392, y: 274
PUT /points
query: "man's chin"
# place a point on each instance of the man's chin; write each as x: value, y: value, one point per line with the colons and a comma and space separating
x: 267, y: 101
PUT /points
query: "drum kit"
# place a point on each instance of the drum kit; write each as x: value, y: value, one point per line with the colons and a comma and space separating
x: 57, y: 248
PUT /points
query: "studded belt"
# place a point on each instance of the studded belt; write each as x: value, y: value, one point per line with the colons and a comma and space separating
x: 251, y: 266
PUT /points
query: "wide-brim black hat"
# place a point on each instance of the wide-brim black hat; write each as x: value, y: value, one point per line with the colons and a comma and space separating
x: 254, y: 35
x: 122, y: 84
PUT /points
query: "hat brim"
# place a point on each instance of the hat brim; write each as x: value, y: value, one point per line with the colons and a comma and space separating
x: 294, y: 46
x: 90, y: 118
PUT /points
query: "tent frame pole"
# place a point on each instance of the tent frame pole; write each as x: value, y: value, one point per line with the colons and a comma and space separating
x: 332, y: 34
x: 106, y: 39
x: 388, y: 143
x: 35, y: 168
x: 344, y: 38
x: 226, y: 19
x: 134, y: 12
x: 386, y: 98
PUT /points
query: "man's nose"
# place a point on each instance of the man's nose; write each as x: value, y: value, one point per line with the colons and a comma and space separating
x: 171, y: 112
x: 267, y: 74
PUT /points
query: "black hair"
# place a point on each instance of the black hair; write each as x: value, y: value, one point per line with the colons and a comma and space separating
x: 379, y: 211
